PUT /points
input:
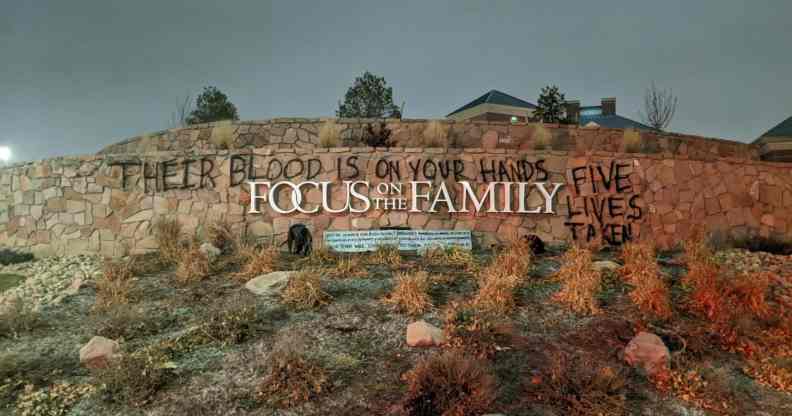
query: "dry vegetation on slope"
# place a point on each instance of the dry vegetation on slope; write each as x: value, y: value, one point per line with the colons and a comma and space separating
x: 523, y: 334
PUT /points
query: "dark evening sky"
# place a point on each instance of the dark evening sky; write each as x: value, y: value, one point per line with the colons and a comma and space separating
x: 78, y: 75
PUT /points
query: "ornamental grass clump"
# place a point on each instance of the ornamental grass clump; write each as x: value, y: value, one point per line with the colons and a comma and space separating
x: 474, y: 331
x: 256, y: 260
x: 291, y: 378
x: 168, y: 234
x: 641, y: 271
x: 410, y: 295
x: 193, y: 265
x: 304, y: 291
x: 386, y: 255
x: 496, y: 292
x: 449, y: 384
x: 115, y: 285
x: 133, y: 378
x: 579, y: 281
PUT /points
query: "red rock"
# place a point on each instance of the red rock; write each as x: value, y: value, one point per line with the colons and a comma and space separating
x: 423, y: 334
x: 648, y: 352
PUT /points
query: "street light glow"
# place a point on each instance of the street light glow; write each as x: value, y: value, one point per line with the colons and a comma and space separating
x: 5, y: 153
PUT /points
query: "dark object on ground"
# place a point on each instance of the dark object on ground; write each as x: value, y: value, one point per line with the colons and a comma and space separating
x: 299, y: 240
x: 536, y: 243
x: 8, y: 256
x: 378, y: 137
x: 772, y: 244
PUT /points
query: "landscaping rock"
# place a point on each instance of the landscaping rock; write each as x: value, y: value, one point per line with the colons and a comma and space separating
x: 269, y: 284
x: 423, y: 334
x: 97, y: 352
x: 647, y: 351
x: 210, y: 251
x: 49, y: 278
x: 606, y: 265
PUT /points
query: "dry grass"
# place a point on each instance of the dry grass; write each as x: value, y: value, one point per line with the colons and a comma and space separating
x: 348, y: 267
x: 115, y: 285
x: 631, y: 139
x: 386, y: 255
x: 640, y: 270
x: 304, y: 290
x: 256, y: 260
x: 515, y: 260
x: 230, y: 321
x: 580, y: 282
x: 135, y: 377
x: 330, y: 134
x: 496, y: 292
x: 17, y: 317
x: 291, y: 378
x: 452, y: 257
x: 435, y: 134
x: 168, y: 233
x: 449, y: 384
x: 541, y: 136
x: 220, y: 235
x: 474, y: 331
x: 411, y: 293
x: 193, y: 266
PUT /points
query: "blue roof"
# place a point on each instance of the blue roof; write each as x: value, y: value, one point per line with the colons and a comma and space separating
x: 614, y: 122
x: 783, y: 129
x: 495, y: 97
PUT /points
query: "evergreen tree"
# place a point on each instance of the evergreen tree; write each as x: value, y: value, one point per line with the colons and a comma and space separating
x: 550, y: 106
x: 369, y: 97
x: 212, y: 105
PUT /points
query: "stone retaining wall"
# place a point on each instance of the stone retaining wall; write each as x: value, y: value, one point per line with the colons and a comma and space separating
x: 98, y: 204
x: 305, y: 133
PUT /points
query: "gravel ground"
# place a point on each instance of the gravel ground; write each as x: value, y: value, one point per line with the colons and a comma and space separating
x: 47, y: 280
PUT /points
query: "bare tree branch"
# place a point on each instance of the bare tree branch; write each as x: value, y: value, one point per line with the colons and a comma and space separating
x: 659, y: 107
x: 183, y: 110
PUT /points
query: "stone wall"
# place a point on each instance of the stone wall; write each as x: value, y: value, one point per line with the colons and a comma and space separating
x: 304, y: 133
x: 103, y: 203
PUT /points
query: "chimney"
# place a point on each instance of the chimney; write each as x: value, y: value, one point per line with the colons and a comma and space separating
x: 572, y: 108
x: 608, y: 106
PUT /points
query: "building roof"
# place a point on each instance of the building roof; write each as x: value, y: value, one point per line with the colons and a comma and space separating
x: 783, y: 129
x: 614, y: 121
x: 495, y: 97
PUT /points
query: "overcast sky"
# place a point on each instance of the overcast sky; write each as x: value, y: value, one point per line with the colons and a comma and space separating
x: 77, y: 75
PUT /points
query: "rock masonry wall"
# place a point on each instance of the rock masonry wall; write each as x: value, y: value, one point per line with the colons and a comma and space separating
x: 108, y: 203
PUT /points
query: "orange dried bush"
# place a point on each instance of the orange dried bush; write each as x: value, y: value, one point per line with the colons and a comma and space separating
x: 580, y: 282
x: 386, y: 255
x: 449, y: 384
x: 451, y: 256
x: 219, y: 234
x: 411, y: 293
x: 691, y: 387
x: 256, y: 260
x: 348, y: 267
x: 640, y: 270
x: 291, y: 379
x: 193, y: 265
x: 304, y: 290
x: 768, y: 373
x: 116, y: 284
x: 496, y: 292
x: 515, y: 260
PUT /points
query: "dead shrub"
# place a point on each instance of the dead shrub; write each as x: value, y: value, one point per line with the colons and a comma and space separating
x: 579, y: 386
x: 304, y: 290
x: 474, y: 331
x: 220, y: 235
x: 291, y: 378
x: 168, y: 233
x: 449, y: 384
x: 115, y: 285
x: 134, y: 378
x: 230, y: 321
x: 452, y: 257
x: 17, y: 317
x: 410, y: 294
x: 256, y: 260
x: 579, y: 281
x: 348, y: 267
x: 515, y: 260
x: 330, y: 134
x: 386, y: 255
x: 496, y: 292
x: 127, y: 322
x: 640, y: 270
x: 321, y: 257
x: 193, y: 266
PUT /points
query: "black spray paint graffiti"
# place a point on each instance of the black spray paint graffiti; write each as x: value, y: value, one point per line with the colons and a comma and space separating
x: 163, y: 176
x: 607, y: 204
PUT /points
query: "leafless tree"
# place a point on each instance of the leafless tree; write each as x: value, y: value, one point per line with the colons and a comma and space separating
x: 183, y: 110
x: 659, y: 107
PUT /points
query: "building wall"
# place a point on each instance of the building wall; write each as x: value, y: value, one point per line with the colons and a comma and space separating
x: 94, y: 204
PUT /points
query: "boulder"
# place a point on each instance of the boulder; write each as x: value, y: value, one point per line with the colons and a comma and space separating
x: 605, y: 265
x: 75, y: 286
x: 269, y: 284
x: 98, y: 352
x: 648, y: 352
x: 209, y: 250
x: 423, y: 334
